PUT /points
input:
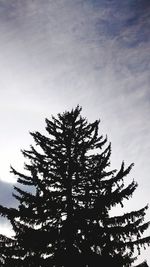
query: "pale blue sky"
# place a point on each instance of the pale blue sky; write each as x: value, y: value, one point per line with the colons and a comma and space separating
x: 57, y: 54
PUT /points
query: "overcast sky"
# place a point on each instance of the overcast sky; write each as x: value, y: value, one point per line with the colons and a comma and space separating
x: 55, y: 54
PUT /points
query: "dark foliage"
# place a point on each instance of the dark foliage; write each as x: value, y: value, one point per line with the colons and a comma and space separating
x: 143, y: 264
x: 63, y: 220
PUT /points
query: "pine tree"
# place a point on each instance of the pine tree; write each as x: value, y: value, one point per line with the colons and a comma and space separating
x: 64, y: 199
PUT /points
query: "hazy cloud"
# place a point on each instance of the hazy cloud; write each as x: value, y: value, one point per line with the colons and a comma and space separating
x: 6, y: 198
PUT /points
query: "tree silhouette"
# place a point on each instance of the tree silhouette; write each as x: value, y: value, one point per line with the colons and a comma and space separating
x: 64, y: 220
x: 143, y: 264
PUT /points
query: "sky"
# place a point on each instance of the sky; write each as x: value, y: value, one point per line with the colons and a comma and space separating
x: 57, y: 54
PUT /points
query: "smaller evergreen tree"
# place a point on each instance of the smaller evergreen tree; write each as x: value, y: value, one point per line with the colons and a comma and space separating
x: 64, y: 219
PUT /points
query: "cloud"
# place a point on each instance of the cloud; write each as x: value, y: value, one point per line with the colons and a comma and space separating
x: 6, y: 198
